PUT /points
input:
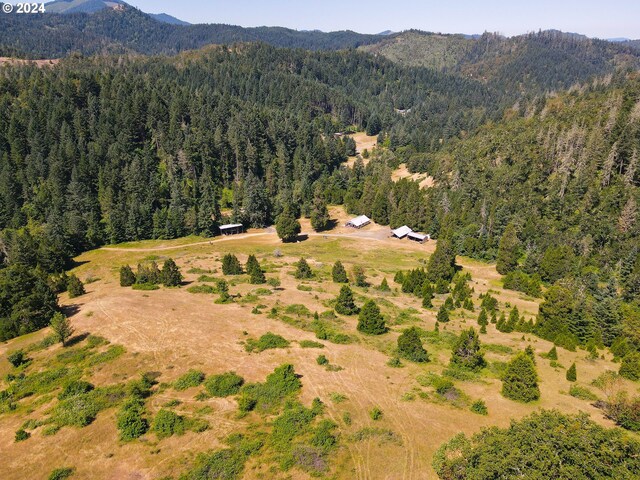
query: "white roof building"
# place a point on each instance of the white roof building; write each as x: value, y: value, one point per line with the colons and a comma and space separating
x: 359, y: 222
x: 401, y: 232
x: 418, y: 237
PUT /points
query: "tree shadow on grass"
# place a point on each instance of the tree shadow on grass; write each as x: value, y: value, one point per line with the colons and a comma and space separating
x: 77, y: 339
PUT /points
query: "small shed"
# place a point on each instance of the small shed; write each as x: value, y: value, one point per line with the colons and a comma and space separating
x: 418, y: 237
x: 359, y: 222
x: 401, y: 232
x: 231, y: 229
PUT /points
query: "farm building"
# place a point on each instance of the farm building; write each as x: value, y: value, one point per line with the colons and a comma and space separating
x: 359, y: 222
x: 401, y: 232
x: 418, y: 237
x: 231, y: 229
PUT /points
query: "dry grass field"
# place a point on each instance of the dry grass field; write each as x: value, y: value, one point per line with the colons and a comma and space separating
x: 170, y: 330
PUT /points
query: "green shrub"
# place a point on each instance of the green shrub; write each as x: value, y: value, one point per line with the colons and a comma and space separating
x: 304, y: 288
x: 208, y: 278
x: 202, y: 289
x: 582, y: 393
x: 322, y: 360
x: 479, y: 407
x: 17, y: 358
x: 130, y: 420
x: 283, y: 382
x: 145, y: 286
x: 224, y: 384
x: 21, y: 435
x: 192, y: 378
x: 571, y: 374
x: 520, y: 381
x: 75, y: 387
x: 466, y: 351
x: 127, y: 277
x: 168, y: 423
x: 61, y: 473
x: 310, y: 344
x: 375, y: 413
x: 226, y: 464
x: 266, y: 342
x: 81, y: 410
x: 395, y: 362
x: 75, y: 287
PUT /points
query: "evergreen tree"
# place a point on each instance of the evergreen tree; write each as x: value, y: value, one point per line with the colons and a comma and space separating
x: 399, y: 277
x: 572, y: 375
x: 345, y: 304
x: 466, y: 351
x: 448, y: 304
x: 482, y: 318
x: 287, y: 225
x: 520, y: 380
x: 370, y: 321
x: 630, y: 366
x: 530, y: 353
x: 231, y: 265
x: 553, y: 353
x: 61, y: 327
x: 384, y: 286
x: 443, y: 314
x: 442, y: 264
x: 171, y: 276
x: 508, y: 251
x: 338, y: 273
x: 252, y: 264
x: 410, y: 346
x: 75, y: 287
x: 360, y: 280
x: 223, y: 290
x: 319, y: 214
x: 127, y: 277
x: 303, y: 270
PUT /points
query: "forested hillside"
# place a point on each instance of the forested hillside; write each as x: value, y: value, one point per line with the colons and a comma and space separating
x: 130, y: 30
x: 528, y: 63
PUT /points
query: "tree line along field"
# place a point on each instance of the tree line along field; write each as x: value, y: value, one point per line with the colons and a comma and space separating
x: 166, y: 355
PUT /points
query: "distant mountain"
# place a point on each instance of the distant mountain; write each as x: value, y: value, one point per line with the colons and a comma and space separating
x: 124, y: 29
x: 165, y: 18
x: 387, y: 32
x: 534, y: 62
x: 93, y: 6
x: 618, y: 39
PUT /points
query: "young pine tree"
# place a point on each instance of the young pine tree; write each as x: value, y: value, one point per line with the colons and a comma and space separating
x: 520, y: 380
x: 319, y: 214
x: 572, y: 374
x: 370, y: 321
x: 443, y: 315
x: 75, y: 287
x: 303, y: 270
x: 508, y: 251
x: 338, y: 273
x: 530, y: 353
x: 61, y: 327
x: 442, y: 264
x: 252, y: 264
x: 410, y: 346
x: 482, y: 318
x: 384, y: 286
x: 127, y: 277
x: 231, y: 265
x: 553, y: 353
x: 345, y: 304
x: 359, y: 278
x: 466, y: 351
x: 171, y: 276
x: 630, y: 366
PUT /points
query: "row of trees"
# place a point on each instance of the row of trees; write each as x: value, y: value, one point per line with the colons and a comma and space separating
x: 150, y: 274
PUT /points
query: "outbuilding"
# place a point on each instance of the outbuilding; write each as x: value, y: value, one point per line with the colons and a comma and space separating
x: 418, y: 237
x: 359, y: 222
x: 231, y: 229
x: 401, y: 232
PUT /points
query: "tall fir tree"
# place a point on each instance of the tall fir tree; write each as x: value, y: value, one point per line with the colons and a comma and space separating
x: 508, y: 251
x: 370, y: 320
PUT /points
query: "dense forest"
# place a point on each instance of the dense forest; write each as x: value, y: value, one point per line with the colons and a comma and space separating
x: 130, y: 30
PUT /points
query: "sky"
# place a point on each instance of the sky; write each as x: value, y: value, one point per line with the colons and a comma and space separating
x: 602, y: 19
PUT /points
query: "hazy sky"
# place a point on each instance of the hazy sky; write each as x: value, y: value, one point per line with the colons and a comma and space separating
x: 603, y: 19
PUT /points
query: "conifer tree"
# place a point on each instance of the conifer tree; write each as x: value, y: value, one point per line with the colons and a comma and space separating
x: 252, y: 264
x: 359, y: 278
x: 223, y: 290
x: 520, y: 380
x: 482, y: 318
x: 257, y: 276
x: 384, y: 286
x: 466, y: 351
x: 287, y: 225
x: 572, y: 375
x: 345, y: 304
x: 442, y: 264
x: 61, y: 327
x: 231, y: 265
x: 553, y: 353
x: 75, y: 287
x: 508, y: 251
x: 370, y: 320
x: 630, y: 366
x: 448, y: 304
x: 399, y: 277
x: 530, y: 353
x: 171, y: 276
x: 338, y: 273
x: 410, y: 346
x: 443, y: 314
x: 303, y: 270
x: 319, y: 214
x: 127, y: 277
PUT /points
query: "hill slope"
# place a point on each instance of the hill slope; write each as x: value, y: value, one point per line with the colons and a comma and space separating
x: 129, y: 30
